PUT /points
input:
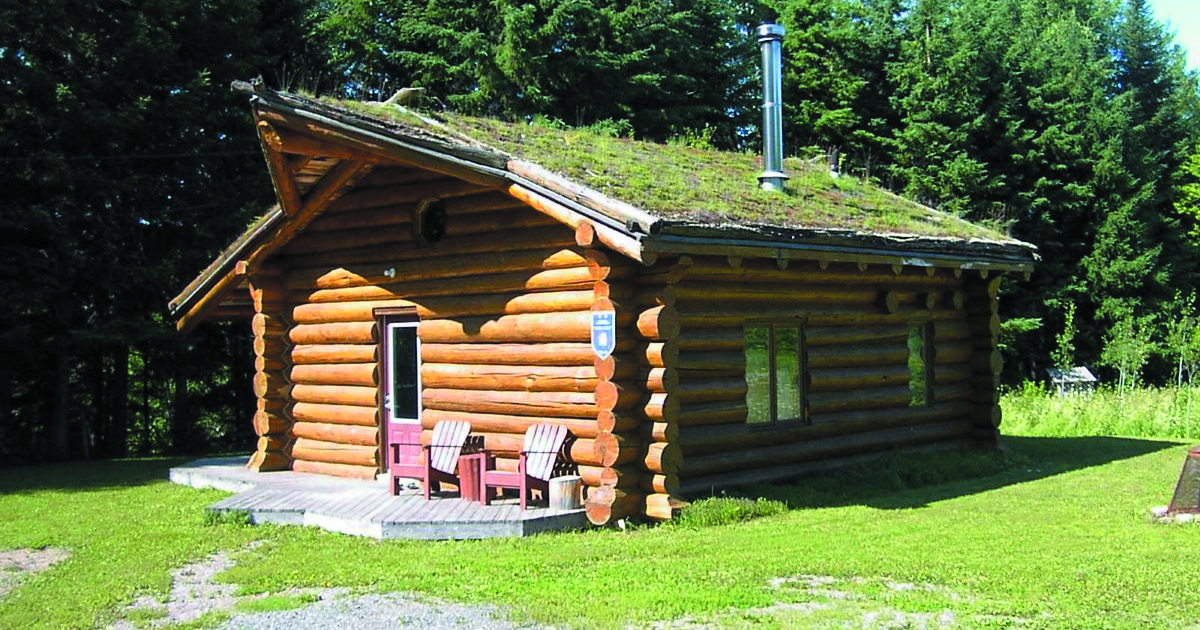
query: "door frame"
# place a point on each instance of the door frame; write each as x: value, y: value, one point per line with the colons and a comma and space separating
x: 385, y: 318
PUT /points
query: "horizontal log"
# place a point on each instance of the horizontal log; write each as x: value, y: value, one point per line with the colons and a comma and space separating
x: 336, y: 395
x: 828, y: 447
x: 339, y: 433
x: 272, y: 405
x: 712, y: 413
x: 335, y: 414
x: 434, y: 267
x: 951, y: 330
x: 701, y: 440
x: 444, y: 307
x: 661, y: 408
x: 619, y: 367
x: 988, y: 416
x: 892, y: 335
x: 664, y: 458
x: 658, y: 353
x: 510, y: 377
x: 984, y: 325
x: 336, y: 470
x: 562, y: 353
x: 271, y: 423
x: 668, y: 484
x: 271, y: 384
x: 658, y: 323
x: 815, y: 316
x: 617, y: 422
x: 722, y: 361
x: 395, y: 175
x: 267, y: 325
x: 742, y: 292
x: 531, y: 327
x: 951, y: 353
x: 663, y: 507
x: 987, y: 363
x: 263, y: 461
x: 271, y: 364
x: 376, y: 196
x: 953, y: 373
x: 711, y: 390
x: 334, y: 453
x: 661, y: 431
x: 717, y: 269
x: 843, y: 379
x: 363, y: 332
x: 385, y: 236
x: 606, y: 504
x: 611, y: 449
x: 575, y: 278
x: 496, y: 222
x: 515, y: 425
x: 401, y: 211
x: 654, y: 296
x: 857, y: 400
x: 701, y: 340
x: 548, y: 404
x: 273, y: 443
x: 362, y: 374
x: 550, y: 236
x: 704, y: 486
x: 270, y: 347
x: 617, y: 396
x: 858, y: 356
x: 619, y: 477
x: 334, y: 353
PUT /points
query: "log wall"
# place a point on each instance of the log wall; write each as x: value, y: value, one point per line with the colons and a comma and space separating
x: 505, y: 301
x: 272, y: 385
x: 856, y: 320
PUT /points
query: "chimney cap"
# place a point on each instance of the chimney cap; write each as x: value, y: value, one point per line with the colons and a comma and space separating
x: 768, y: 32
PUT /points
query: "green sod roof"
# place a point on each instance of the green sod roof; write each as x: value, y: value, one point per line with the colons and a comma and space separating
x: 691, y: 186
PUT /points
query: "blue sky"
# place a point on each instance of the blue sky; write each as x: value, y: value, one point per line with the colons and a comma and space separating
x: 1182, y: 16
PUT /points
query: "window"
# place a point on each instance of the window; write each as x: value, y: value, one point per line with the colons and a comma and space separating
x: 920, y: 364
x: 775, y: 372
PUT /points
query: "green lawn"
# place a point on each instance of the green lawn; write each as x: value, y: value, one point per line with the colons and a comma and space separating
x: 1060, y: 538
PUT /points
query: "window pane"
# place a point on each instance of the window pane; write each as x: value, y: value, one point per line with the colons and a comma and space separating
x: 916, y: 365
x: 758, y: 374
x: 403, y: 371
x: 787, y: 374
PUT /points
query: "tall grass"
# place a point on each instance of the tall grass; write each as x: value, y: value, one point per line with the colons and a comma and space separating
x: 1169, y: 412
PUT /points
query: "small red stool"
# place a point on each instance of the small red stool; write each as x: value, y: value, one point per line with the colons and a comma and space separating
x: 469, y: 476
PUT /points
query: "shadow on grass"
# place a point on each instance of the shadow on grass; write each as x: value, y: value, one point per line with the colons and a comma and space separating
x: 914, y: 480
x: 87, y: 476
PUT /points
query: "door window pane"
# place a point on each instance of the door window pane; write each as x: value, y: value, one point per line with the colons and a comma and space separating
x: 402, y: 371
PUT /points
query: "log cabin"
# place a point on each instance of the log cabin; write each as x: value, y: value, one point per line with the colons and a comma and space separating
x: 691, y: 330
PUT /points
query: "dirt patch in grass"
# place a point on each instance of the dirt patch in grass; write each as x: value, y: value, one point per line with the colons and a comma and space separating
x: 18, y: 563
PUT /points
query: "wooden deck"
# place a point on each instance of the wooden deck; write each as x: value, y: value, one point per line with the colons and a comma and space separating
x: 365, y: 508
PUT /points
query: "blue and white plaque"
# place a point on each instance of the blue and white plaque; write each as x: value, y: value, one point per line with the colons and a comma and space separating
x: 604, y: 333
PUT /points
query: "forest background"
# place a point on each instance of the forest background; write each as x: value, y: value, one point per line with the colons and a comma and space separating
x: 126, y: 163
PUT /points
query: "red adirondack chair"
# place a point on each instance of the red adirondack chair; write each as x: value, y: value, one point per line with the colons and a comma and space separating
x: 441, y: 454
x: 539, y: 453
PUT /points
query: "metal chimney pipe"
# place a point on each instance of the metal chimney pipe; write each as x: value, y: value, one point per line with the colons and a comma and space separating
x: 769, y: 37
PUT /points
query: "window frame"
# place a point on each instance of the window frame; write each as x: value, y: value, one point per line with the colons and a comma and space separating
x: 802, y: 376
x: 925, y: 330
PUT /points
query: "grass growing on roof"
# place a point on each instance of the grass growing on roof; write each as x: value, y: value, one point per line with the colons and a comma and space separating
x: 692, y: 183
